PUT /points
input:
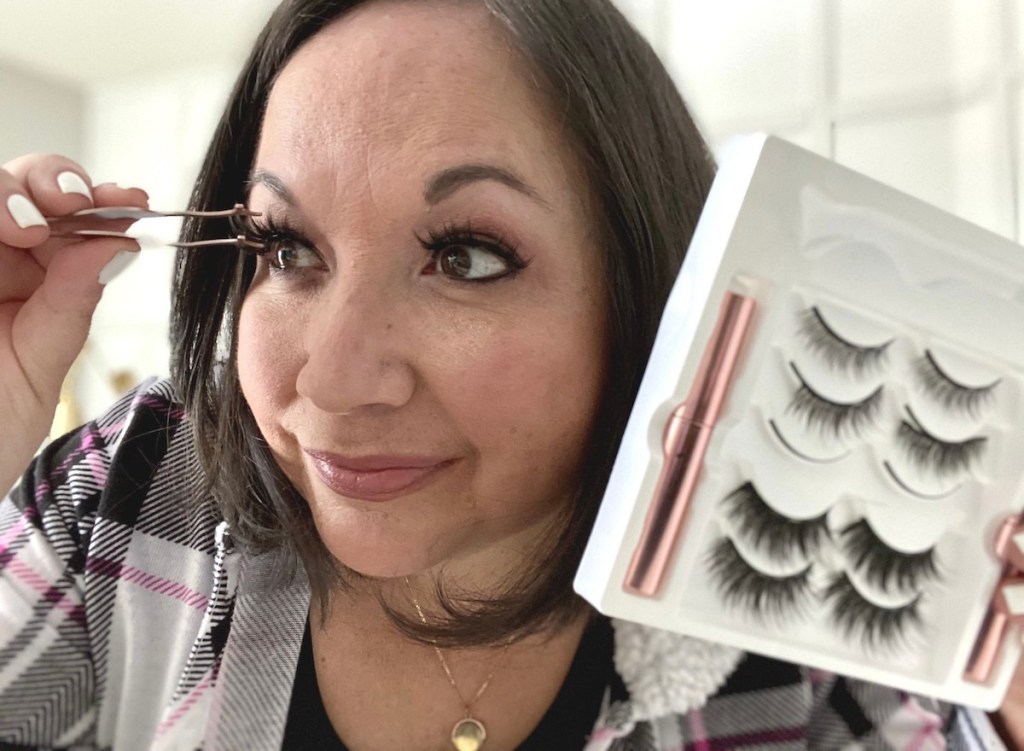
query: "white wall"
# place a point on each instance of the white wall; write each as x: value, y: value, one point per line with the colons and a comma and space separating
x: 38, y: 114
x: 925, y: 95
x: 150, y: 132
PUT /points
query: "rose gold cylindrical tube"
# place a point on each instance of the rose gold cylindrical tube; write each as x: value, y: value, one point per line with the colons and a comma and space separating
x: 987, y: 648
x: 993, y: 629
x: 686, y: 442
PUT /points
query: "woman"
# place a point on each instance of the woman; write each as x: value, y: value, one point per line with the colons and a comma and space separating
x: 354, y: 514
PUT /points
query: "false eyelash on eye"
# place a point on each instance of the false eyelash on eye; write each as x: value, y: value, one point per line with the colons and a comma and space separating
x: 838, y: 352
x: 834, y: 418
x: 944, y: 458
x: 467, y: 235
x: 949, y: 393
x: 265, y: 233
x: 244, y: 224
x: 774, y: 533
x: 881, y: 565
x: 874, y: 625
x: 762, y: 595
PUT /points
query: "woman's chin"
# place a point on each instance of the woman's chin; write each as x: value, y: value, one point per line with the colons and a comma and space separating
x: 382, y: 567
x: 381, y: 560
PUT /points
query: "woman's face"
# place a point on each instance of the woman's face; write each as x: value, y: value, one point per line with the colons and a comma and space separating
x: 423, y: 348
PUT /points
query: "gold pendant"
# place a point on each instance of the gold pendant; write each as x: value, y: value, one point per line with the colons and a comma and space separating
x: 468, y: 735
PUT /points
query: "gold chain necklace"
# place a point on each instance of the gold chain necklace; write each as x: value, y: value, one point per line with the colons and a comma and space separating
x: 468, y: 734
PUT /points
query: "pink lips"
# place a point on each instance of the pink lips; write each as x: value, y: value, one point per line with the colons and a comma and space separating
x: 375, y: 478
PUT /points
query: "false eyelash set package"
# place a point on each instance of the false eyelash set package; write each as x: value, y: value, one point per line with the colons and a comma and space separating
x: 829, y: 435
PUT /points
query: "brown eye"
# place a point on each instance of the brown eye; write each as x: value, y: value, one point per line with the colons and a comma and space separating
x: 470, y: 262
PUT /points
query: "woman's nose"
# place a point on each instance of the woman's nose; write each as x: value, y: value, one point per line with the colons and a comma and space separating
x: 355, y: 359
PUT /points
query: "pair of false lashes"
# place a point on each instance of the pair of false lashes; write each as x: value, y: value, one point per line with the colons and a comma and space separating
x: 925, y: 450
x: 845, y: 356
x: 779, y: 597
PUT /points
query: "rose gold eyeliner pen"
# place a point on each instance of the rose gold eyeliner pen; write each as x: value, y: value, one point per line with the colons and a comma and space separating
x: 685, y: 442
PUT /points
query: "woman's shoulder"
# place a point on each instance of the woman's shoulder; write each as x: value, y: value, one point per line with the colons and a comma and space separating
x: 135, y: 466
x: 109, y: 547
x: 137, y: 420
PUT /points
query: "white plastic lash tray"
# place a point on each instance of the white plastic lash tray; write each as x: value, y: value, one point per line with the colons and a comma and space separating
x: 829, y: 440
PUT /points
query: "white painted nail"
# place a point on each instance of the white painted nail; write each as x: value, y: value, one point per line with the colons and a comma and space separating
x: 116, y: 265
x: 24, y: 212
x: 72, y: 182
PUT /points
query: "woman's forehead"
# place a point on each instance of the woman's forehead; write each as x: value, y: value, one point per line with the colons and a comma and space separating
x: 391, y: 51
x: 413, y: 87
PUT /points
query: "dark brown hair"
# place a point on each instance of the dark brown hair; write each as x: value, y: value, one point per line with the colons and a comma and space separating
x: 648, y: 171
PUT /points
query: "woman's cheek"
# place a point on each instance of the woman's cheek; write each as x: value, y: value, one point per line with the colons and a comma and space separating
x: 524, y: 394
x: 266, y: 355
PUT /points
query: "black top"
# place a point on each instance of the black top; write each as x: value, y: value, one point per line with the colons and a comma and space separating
x: 566, y: 724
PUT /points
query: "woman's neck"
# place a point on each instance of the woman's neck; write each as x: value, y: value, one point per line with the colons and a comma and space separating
x: 382, y: 690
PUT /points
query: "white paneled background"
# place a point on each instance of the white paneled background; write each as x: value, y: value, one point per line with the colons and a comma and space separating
x: 923, y: 94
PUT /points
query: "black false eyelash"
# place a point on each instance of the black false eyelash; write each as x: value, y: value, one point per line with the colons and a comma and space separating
x: 838, y: 352
x: 244, y: 224
x: 874, y: 625
x: 944, y: 458
x: 834, y: 418
x: 952, y: 395
x: 762, y: 595
x: 774, y: 533
x: 263, y: 234
x: 467, y: 234
x: 881, y: 565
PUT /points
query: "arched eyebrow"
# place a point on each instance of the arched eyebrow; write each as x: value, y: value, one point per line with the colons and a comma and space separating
x: 274, y: 183
x: 439, y: 187
x: 448, y: 181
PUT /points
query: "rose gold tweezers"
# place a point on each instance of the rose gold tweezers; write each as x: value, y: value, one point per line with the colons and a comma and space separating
x: 59, y: 224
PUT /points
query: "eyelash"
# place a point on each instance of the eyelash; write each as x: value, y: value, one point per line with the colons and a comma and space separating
x: 881, y: 565
x: 779, y: 598
x: 771, y: 531
x: 766, y: 596
x: 949, y: 393
x: 839, y: 353
x: 463, y: 235
x: 831, y: 417
x: 270, y: 232
x: 943, y: 457
x: 875, y: 625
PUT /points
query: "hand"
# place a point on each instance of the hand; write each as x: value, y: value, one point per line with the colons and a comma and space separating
x: 49, y: 288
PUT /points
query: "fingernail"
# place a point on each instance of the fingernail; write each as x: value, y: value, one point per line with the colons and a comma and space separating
x: 72, y: 182
x: 24, y: 212
x: 116, y: 265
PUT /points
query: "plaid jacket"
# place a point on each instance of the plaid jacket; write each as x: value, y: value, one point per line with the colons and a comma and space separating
x: 129, y: 621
